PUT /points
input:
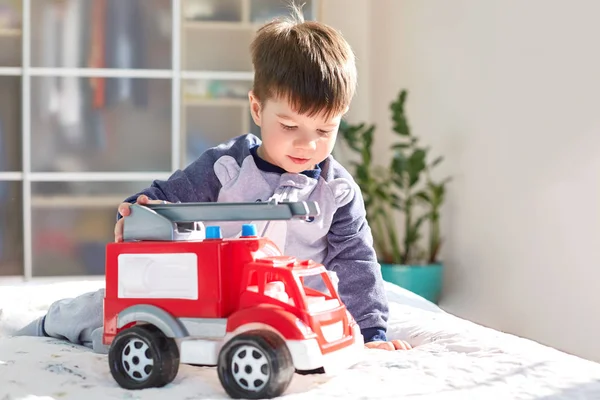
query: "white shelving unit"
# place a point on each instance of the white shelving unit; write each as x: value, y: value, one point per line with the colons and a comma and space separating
x: 92, y: 130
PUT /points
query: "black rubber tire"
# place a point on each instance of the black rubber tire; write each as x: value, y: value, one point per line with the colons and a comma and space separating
x: 278, y: 364
x: 162, y: 350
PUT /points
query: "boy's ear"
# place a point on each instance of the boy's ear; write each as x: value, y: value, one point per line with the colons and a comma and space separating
x: 255, y: 107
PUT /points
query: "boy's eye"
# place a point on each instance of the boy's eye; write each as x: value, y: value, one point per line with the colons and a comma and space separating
x: 323, y: 132
x: 288, y: 127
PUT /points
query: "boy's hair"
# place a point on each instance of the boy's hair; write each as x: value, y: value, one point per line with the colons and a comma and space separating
x: 306, y: 63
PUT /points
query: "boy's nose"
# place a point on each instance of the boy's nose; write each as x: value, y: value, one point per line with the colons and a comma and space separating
x: 305, y: 143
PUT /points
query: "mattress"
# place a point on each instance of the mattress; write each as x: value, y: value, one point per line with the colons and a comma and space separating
x: 452, y: 359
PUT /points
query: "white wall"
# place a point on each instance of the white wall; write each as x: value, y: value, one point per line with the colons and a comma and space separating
x: 353, y: 20
x: 509, y: 93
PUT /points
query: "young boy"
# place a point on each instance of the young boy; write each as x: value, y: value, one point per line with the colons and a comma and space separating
x: 305, y: 79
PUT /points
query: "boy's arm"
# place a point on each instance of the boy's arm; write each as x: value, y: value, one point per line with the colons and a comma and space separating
x: 196, y: 183
x: 352, y: 256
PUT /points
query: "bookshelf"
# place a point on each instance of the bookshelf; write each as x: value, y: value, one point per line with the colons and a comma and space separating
x: 99, y: 98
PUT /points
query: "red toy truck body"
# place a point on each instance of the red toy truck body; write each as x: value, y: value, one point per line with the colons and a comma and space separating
x: 236, y: 303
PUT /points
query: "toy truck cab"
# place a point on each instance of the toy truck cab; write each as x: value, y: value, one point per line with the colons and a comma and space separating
x: 320, y: 327
x: 235, y: 303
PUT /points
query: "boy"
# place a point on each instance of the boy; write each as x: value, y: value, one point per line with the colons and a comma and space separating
x: 305, y: 78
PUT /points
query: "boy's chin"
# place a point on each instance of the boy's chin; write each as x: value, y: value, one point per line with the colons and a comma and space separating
x: 296, y: 168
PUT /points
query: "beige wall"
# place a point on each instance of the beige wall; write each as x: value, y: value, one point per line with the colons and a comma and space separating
x: 509, y: 92
x: 352, y: 18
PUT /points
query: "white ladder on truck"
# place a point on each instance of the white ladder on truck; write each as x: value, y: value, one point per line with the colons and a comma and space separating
x: 160, y: 221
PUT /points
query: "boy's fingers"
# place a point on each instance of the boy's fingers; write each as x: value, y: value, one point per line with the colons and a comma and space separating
x: 123, y: 209
x: 386, y: 346
x: 380, y: 345
x: 142, y: 199
x: 119, y: 231
x: 391, y: 345
x: 401, y: 345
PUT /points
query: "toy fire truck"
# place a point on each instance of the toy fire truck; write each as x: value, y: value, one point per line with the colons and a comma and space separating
x: 178, y: 292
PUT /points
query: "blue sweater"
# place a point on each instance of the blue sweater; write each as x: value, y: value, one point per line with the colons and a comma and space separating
x: 339, y: 237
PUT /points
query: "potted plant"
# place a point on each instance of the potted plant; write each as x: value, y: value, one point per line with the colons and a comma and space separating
x: 404, y: 186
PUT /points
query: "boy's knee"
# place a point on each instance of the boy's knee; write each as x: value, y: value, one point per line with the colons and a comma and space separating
x: 75, y: 318
x: 86, y: 303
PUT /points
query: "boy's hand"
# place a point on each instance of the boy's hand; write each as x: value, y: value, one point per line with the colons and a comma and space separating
x: 391, y: 345
x: 124, y: 211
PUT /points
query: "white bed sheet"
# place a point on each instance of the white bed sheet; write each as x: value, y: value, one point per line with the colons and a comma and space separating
x: 453, y: 359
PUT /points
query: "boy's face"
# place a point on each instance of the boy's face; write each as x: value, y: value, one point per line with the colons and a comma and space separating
x: 292, y: 141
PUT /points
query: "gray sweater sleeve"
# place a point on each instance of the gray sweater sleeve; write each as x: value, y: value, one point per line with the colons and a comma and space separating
x: 352, y: 256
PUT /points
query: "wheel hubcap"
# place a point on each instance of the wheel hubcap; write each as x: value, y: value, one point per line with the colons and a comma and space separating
x: 250, y: 368
x: 137, y: 360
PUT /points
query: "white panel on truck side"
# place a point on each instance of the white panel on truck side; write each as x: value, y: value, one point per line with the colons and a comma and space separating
x: 165, y: 276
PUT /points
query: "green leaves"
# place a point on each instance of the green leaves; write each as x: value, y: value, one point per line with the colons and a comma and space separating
x: 404, y: 186
x: 408, y: 166
x: 436, y: 162
x: 437, y: 192
x: 416, y: 165
x: 400, y: 125
x: 423, y: 196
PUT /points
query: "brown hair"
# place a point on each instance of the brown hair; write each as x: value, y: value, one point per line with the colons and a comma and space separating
x: 306, y: 63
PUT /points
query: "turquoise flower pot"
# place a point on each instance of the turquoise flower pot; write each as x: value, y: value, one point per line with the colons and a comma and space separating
x: 424, y: 280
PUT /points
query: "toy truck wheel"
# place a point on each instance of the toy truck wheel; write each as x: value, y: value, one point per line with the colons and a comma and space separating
x: 255, y: 366
x: 143, y: 357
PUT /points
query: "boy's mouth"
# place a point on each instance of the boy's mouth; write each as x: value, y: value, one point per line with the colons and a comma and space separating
x: 297, y: 160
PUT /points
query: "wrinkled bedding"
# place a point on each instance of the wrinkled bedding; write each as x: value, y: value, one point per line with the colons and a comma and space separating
x: 452, y: 359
